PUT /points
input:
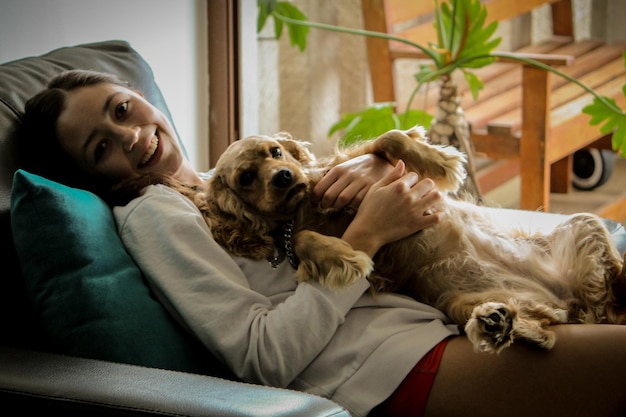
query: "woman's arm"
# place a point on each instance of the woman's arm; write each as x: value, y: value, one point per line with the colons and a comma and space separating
x: 395, y: 207
x: 266, y: 339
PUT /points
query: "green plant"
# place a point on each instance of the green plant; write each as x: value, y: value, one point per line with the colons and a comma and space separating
x: 279, y: 10
x: 464, y: 43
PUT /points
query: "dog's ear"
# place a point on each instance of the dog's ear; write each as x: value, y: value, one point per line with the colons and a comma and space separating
x: 298, y: 149
x: 283, y: 135
x: 233, y: 226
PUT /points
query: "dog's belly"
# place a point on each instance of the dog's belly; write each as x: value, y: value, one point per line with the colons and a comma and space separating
x: 464, y: 253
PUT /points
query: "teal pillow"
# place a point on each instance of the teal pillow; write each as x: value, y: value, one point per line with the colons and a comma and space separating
x: 84, y: 286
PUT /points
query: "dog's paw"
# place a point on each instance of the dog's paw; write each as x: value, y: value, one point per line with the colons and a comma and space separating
x: 330, y: 261
x: 452, y: 162
x: 490, y: 327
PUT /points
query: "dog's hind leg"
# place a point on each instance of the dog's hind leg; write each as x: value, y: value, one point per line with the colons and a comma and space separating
x: 591, y: 264
x: 493, y: 325
x: 329, y: 260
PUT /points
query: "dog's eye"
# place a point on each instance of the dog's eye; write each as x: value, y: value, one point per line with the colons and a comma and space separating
x: 276, y: 152
x: 246, y: 178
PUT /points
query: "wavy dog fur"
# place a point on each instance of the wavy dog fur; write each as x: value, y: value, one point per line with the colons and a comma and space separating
x: 498, y: 284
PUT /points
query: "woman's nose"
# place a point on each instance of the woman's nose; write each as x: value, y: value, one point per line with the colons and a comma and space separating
x: 129, y: 136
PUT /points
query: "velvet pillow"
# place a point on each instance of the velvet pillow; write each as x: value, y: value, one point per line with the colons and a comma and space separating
x: 86, y: 289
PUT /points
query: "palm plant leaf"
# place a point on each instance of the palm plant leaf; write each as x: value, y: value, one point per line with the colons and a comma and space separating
x: 463, y: 33
x: 375, y: 120
x: 277, y: 9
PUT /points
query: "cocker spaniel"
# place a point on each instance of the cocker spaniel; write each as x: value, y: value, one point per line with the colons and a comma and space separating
x: 499, y: 285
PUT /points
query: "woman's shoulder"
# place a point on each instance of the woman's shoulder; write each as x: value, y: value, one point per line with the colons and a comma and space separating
x: 159, y: 200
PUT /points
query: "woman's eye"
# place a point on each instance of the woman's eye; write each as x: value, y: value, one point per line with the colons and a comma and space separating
x: 121, y: 109
x: 246, y: 178
x: 101, y: 147
x: 276, y: 152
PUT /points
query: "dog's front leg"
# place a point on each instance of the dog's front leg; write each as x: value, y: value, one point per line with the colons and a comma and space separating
x: 329, y: 260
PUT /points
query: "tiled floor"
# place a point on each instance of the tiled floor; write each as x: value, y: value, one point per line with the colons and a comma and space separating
x: 507, y: 195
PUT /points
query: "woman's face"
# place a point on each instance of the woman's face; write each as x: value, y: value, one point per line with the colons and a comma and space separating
x: 111, y: 131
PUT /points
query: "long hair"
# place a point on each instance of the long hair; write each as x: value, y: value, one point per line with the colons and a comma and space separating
x: 39, y: 145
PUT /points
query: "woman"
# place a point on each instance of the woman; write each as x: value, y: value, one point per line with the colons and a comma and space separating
x: 360, y: 352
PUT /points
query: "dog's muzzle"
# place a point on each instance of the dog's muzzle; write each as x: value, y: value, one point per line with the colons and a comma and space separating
x: 283, y: 178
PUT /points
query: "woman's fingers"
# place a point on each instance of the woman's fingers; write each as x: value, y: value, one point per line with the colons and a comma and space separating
x: 349, y: 182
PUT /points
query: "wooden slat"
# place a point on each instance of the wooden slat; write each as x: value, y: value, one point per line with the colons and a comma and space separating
x: 565, y: 113
x: 582, y: 61
x: 496, y: 146
x: 493, y: 88
x: 497, y: 172
x: 568, y: 122
x: 424, y: 32
x: 593, y: 79
x: 507, y: 9
x: 512, y: 119
x: 585, y: 63
x: 378, y: 55
x: 500, y: 69
x: 223, y: 46
x: 399, y: 11
x: 570, y: 127
x: 578, y: 48
x: 503, y: 94
x: 561, y: 175
x: 481, y: 113
x: 548, y: 59
x: 535, y: 182
x: 499, y: 77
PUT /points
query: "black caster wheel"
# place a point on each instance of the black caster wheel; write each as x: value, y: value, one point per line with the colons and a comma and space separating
x: 592, y: 168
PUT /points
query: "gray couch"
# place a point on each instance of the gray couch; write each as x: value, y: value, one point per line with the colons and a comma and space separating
x: 39, y: 369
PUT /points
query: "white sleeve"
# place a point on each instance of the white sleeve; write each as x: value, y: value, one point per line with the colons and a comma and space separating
x: 200, y: 283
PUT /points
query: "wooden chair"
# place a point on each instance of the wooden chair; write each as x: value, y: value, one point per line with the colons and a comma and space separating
x: 528, y: 119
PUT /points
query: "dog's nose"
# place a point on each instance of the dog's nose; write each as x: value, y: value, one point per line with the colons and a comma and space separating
x: 282, y: 178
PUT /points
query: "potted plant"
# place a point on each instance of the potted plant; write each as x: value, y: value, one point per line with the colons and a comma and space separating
x: 464, y: 43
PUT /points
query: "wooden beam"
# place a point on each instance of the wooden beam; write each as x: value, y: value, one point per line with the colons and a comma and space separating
x: 223, y: 76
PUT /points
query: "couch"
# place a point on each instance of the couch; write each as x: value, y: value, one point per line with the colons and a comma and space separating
x: 58, y: 354
x: 81, y: 334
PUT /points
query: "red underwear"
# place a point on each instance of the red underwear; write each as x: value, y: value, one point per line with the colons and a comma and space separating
x: 410, y: 398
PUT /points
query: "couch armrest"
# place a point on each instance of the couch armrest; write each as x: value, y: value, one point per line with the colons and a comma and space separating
x: 36, y: 381
x: 537, y: 221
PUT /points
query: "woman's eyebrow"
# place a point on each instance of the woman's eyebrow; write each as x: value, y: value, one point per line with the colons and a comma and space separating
x: 92, y: 134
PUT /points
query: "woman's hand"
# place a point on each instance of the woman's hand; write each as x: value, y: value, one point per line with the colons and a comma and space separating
x: 347, y: 183
x: 395, y: 207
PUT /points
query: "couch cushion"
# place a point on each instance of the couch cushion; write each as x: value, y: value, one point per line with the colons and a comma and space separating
x: 23, y: 78
x: 19, y: 80
x: 87, y: 290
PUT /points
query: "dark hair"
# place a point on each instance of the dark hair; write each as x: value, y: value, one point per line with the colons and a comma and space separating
x: 39, y: 143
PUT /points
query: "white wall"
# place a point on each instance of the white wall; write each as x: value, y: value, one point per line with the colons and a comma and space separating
x: 169, y: 34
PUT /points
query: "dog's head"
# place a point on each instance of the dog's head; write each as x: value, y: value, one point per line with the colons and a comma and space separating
x: 267, y: 173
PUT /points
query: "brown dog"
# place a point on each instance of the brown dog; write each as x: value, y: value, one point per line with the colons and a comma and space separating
x: 499, y: 284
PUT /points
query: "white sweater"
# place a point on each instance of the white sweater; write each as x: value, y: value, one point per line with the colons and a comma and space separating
x: 343, y: 345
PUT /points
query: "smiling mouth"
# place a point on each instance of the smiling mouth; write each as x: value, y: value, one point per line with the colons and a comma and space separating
x: 147, y: 157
